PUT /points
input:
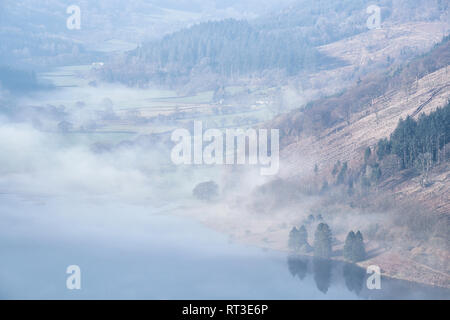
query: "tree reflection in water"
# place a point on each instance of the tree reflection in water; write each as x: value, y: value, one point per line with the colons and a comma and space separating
x: 354, y: 277
x: 298, y: 266
x: 325, y: 270
x: 322, y: 273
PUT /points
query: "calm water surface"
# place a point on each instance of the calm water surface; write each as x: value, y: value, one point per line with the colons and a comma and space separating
x: 134, y: 252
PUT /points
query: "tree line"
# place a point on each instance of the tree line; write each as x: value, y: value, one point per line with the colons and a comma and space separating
x: 230, y: 48
x: 354, y: 248
x: 418, y: 142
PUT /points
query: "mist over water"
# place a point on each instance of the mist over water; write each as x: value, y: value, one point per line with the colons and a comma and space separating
x: 116, y: 215
x: 140, y: 252
x: 86, y: 176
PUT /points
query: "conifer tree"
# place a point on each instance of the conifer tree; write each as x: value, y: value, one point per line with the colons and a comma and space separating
x: 322, y: 241
x: 354, y: 249
x: 298, y: 239
x: 367, y: 154
x: 293, y: 239
x: 348, y: 246
x: 359, y: 250
x: 302, y: 236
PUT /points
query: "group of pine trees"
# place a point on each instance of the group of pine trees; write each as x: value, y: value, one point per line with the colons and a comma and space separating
x: 414, y: 141
x: 298, y: 239
x: 322, y: 241
x: 354, y: 249
x: 229, y: 48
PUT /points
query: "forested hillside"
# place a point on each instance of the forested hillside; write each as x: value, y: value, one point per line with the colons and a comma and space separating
x: 330, y: 111
x: 389, y: 132
x: 284, y: 42
x: 417, y: 143
x: 228, y: 48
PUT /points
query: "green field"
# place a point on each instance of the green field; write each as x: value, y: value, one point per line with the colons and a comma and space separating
x: 78, y: 97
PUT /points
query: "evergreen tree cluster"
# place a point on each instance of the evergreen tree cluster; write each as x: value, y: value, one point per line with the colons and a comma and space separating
x: 298, y: 239
x: 231, y: 48
x: 354, y: 249
x: 228, y: 48
x: 412, y: 139
x: 322, y: 241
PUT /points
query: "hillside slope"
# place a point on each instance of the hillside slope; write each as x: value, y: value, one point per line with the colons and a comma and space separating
x: 329, y: 137
x: 348, y: 137
x: 285, y: 42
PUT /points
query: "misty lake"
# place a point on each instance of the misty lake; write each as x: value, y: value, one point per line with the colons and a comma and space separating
x: 137, y: 252
x: 144, y: 251
x: 93, y: 177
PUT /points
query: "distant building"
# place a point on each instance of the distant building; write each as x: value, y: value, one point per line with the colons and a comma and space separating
x: 97, y: 65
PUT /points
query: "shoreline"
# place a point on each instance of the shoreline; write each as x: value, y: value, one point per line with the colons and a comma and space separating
x: 392, y: 263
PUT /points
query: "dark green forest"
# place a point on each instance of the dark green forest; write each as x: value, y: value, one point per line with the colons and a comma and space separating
x: 354, y: 249
x: 283, y: 41
x: 229, y: 48
x: 419, y: 140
